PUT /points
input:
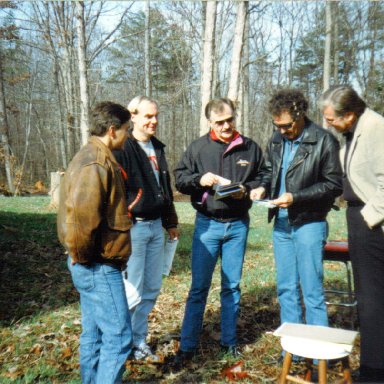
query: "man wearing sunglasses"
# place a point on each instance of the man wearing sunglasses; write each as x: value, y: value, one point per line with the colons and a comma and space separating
x: 221, y: 156
x: 304, y: 178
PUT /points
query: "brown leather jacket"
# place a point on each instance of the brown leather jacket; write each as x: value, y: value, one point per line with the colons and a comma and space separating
x: 92, y: 222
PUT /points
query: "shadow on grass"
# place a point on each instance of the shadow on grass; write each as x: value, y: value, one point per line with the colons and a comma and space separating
x: 33, y: 272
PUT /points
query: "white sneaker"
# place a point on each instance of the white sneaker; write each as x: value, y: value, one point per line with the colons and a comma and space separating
x: 143, y: 352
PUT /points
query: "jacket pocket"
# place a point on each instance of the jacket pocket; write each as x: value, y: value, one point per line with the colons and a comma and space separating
x: 116, y: 240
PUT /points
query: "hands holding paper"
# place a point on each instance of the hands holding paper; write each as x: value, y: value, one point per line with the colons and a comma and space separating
x: 284, y: 201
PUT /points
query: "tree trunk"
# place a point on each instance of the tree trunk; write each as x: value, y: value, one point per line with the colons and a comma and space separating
x: 233, y: 89
x: 4, y: 129
x: 327, y: 49
x: 83, y: 78
x: 206, y: 76
x: 245, y: 66
x: 335, y: 5
x: 55, y: 188
x: 147, y: 60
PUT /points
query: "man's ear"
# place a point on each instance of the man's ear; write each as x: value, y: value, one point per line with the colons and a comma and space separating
x: 350, y: 117
x: 112, y: 131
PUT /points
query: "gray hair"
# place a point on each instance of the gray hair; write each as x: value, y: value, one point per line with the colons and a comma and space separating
x: 343, y: 99
x: 136, y: 101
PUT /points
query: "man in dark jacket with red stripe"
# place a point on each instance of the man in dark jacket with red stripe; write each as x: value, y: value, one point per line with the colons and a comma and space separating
x: 221, y: 157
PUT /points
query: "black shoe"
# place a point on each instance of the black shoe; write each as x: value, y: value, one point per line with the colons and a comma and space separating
x: 181, y: 359
x: 232, y: 350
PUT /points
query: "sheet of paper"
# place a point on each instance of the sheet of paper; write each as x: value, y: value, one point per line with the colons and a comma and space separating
x: 264, y: 203
x: 223, y: 180
x: 169, y: 254
x: 317, y: 332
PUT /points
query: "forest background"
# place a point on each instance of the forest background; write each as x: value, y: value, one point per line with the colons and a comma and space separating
x: 58, y: 58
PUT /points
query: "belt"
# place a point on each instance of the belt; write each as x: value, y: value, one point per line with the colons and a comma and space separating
x: 355, y: 203
x: 223, y: 220
x: 145, y: 219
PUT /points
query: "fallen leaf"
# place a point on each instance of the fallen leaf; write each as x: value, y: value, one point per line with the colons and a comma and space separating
x: 67, y: 352
x: 36, y: 349
x: 234, y: 372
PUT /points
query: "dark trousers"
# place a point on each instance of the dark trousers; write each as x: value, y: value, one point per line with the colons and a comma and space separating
x: 366, y: 247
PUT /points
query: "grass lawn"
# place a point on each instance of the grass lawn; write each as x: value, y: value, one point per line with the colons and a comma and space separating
x: 40, y: 318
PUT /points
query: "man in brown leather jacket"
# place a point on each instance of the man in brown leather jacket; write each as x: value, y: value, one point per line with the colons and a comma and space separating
x: 94, y: 227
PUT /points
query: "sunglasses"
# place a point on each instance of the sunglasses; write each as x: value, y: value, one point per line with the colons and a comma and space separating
x: 220, y: 123
x: 283, y: 126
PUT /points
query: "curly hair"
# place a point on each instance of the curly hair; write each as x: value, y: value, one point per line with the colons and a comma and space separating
x: 288, y: 100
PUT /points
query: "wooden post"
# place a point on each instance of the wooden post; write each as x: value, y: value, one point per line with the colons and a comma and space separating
x: 55, y: 188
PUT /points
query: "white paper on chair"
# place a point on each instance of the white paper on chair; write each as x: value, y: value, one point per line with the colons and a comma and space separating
x: 317, y: 332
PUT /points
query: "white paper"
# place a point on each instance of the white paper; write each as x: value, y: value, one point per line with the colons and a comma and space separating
x: 169, y: 253
x: 133, y: 296
x: 222, y: 180
x: 316, y: 332
x: 264, y: 203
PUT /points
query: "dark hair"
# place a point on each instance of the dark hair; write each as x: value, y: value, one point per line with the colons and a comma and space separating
x: 288, y: 100
x: 218, y: 105
x: 105, y: 114
x: 343, y: 99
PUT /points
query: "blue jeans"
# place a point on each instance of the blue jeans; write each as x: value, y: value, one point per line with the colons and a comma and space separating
x: 299, y: 263
x: 211, y: 239
x: 106, y: 338
x: 143, y: 276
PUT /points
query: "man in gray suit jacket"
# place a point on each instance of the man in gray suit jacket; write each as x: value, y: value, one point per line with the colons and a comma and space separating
x: 363, y: 185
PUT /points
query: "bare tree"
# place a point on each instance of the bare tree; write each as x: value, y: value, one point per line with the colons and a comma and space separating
x: 4, y: 129
x: 234, y: 79
x: 83, y: 77
x: 207, y: 75
x: 327, y: 49
x: 147, y: 59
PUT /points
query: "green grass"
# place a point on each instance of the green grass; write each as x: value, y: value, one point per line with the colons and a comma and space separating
x: 40, y: 318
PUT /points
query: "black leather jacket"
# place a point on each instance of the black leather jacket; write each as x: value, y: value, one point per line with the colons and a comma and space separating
x: 314, y: 177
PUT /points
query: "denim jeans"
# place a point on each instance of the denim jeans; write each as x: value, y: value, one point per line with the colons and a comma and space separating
x: 211, y: 239
x: 143, y: 276
x: 106, y: 338
x: 299, y: 263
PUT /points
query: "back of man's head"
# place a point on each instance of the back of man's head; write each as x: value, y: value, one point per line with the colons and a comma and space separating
x: 105, y: 114
x: 343, y: 99
x: 133, y: 106
x: 218, y: 105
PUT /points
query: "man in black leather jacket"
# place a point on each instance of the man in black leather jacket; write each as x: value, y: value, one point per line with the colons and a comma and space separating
x: 304, y: 179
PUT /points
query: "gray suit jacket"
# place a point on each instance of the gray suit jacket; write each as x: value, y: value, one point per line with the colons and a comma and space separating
x: 365, y: 166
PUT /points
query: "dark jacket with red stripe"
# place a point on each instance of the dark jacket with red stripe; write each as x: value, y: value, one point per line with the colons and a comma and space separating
x: 239, y: 161
x: 145, y: 198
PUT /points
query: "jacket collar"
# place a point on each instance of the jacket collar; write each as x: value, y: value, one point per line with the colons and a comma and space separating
x: 157, y: 144
x: 99, y: 144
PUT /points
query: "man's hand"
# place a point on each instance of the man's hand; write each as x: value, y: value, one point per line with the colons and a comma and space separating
x: 239, y: 195
x: 257, y: 193
x: 208, y: 180
x: 284, y: 201
x: 173, y: 233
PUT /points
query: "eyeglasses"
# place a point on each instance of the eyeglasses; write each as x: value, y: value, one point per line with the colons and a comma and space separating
x: 283, y: 126
x: 220, y: 123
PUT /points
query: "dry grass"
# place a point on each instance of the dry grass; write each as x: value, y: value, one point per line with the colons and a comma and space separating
x: 40, y: 319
